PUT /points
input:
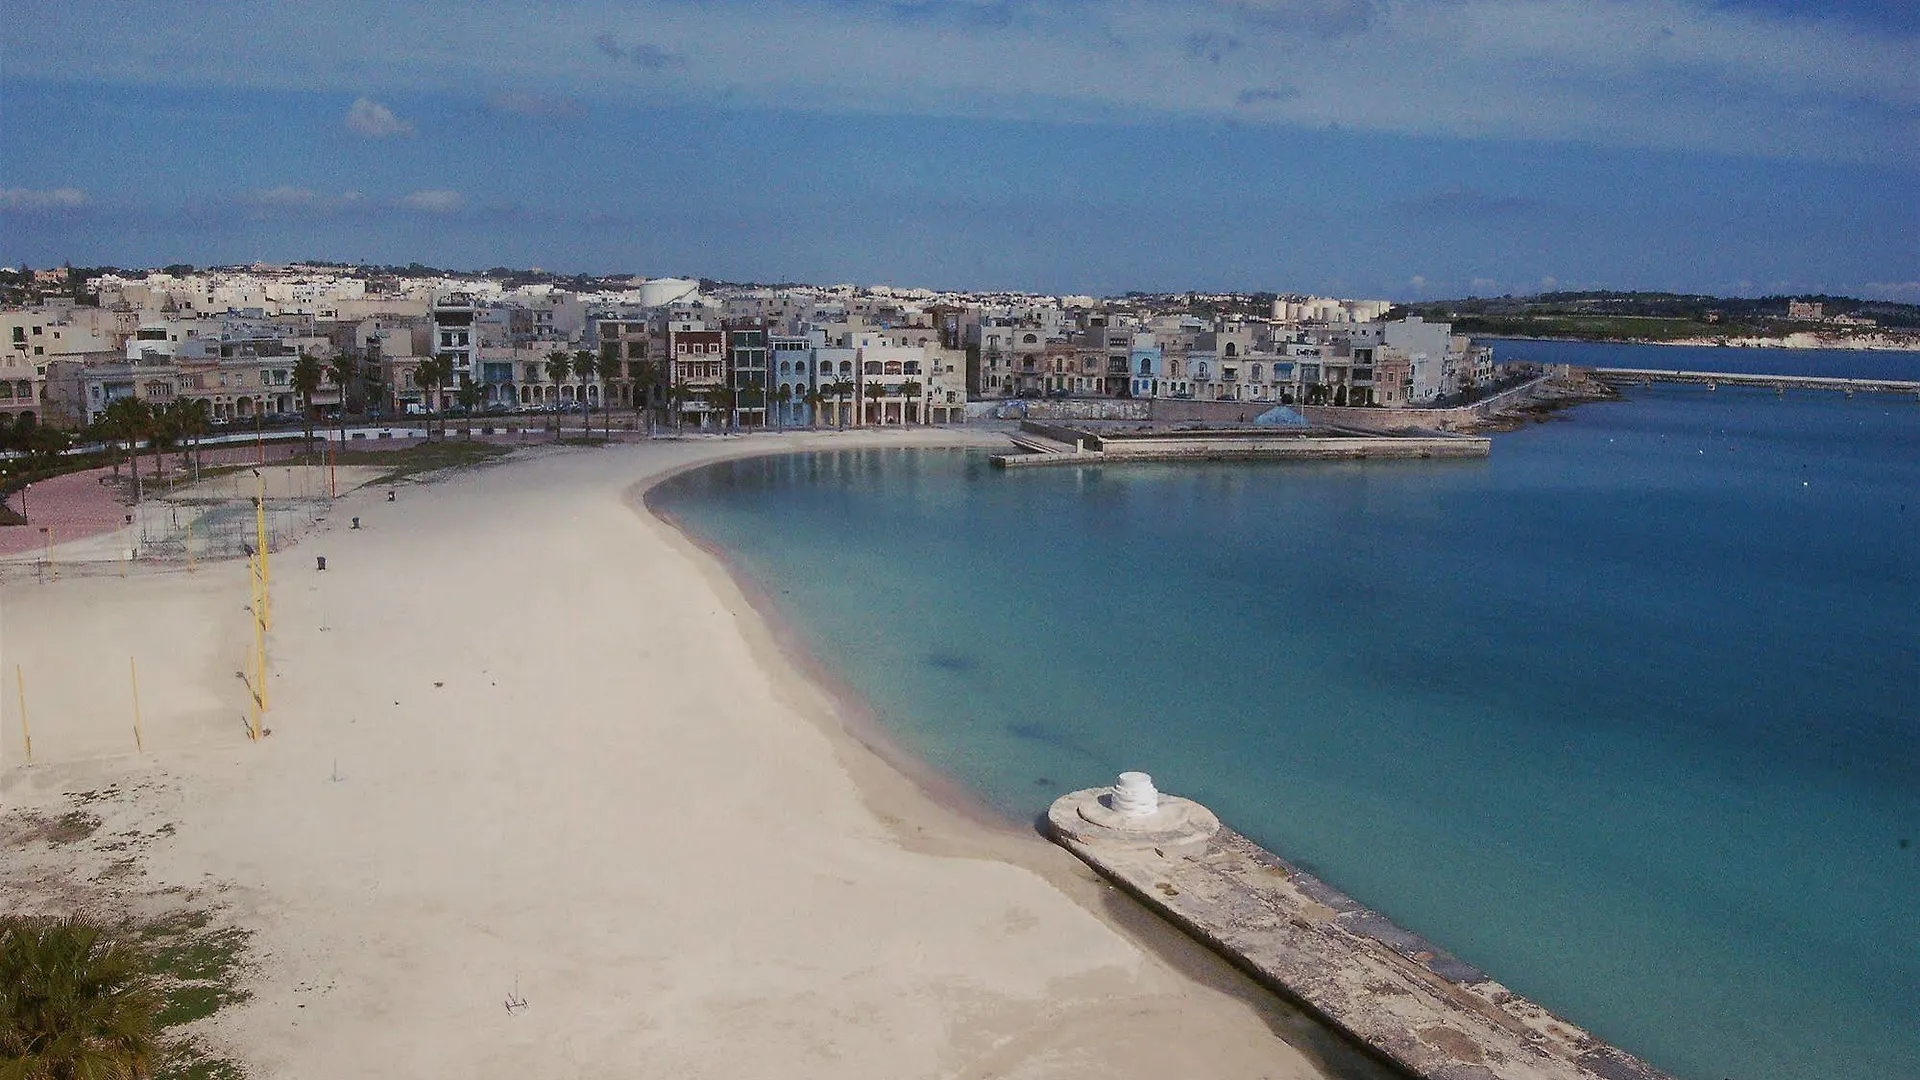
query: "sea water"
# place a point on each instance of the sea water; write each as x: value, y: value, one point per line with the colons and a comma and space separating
x: 1628, y: 715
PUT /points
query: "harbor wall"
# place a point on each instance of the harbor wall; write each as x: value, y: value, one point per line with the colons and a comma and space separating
x: 1431, y: 1014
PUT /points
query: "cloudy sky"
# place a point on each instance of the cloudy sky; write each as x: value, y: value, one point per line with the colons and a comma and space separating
x: 1401, y: 148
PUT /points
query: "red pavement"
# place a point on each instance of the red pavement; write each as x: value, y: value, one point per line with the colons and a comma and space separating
x: 79, y: 505
x: 73, y: 506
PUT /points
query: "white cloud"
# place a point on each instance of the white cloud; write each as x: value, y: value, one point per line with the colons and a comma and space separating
x: 62, y: 198
x: 1691, y: 75
x: 375, y: 121
x: 438, y: 201
x: 1907, y: 292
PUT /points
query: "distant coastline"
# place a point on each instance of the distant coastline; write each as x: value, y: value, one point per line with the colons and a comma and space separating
x: 1798, y: 341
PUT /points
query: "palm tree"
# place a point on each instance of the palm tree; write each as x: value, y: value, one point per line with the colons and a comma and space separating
x: 430, y: 375
x: 723, y: 398
x: 193, y: 417
x: 307, y: 375
x: 679, y: 394
x: 163, y: 433
x: 593, y: 367
x: 876, y: 392
x: 73, y: 1004
x: 342, y: 370
x: 782, y: 397
x: 559, y: 366
x: 587, y: 366
x: 469, y: 396
x: 125, y: 420
x: 842, y: 390
x: 814, y: 399
x: 911, y: 388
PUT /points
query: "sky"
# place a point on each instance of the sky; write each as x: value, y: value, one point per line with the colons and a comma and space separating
x: 1404, y: 149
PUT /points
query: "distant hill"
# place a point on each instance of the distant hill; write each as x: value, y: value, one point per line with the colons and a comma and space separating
x: 1649, y: 316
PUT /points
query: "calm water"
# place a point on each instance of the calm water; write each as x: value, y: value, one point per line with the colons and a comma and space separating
x: 1628, y: 715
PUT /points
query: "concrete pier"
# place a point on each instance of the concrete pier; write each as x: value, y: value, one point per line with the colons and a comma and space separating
x: 1431, y: 1014
x: 1050, y: 444
x: 1716, y: 379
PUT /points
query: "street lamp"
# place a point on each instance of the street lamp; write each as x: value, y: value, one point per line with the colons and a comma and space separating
x: 24, y: 488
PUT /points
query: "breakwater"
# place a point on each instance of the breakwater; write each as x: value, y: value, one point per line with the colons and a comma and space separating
x: 1056, y: 444
x: 1713, y: 379
x: 1406, y: 999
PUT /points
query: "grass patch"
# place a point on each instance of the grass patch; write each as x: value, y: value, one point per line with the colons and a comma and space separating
x: 190, y: 1060
x: 191, y: 967
x: 25, y: 826
x: 197, y: 967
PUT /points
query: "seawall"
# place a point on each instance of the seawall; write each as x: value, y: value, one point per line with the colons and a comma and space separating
x: 1409, y: 1001
x: 1058, y: 444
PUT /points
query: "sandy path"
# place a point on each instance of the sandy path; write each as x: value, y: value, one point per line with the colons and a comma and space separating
x: 528, y: 739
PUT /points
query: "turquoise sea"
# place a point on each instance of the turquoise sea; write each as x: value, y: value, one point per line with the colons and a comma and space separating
x: 1627, y: 715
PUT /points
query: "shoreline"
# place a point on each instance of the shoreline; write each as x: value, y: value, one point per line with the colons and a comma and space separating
x: 1780, y: 344
x: 627, y: 801
x: 932, y: 812
x: 833, y: 703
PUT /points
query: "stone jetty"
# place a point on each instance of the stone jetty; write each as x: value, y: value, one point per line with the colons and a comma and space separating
x: 1429, y: 1013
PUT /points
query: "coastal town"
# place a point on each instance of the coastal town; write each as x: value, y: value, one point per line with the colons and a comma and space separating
x: 680, y: 353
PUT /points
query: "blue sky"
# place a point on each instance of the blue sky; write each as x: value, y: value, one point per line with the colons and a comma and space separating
x: 1399, y: 148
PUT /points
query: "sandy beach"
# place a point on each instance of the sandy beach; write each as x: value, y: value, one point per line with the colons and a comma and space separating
x: 529, y: 743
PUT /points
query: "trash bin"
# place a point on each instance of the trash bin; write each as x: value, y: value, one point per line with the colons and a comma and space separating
x: 322, y: 560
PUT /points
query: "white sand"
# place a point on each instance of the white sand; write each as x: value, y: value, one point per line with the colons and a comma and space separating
x: 570, y: 760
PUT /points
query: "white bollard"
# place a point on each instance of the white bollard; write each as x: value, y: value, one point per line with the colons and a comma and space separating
x: 1134, y: 796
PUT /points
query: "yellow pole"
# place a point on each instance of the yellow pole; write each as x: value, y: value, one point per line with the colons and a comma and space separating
x: 133, y: 677
x: 260, y: 648
x: 26, y: 735
x: 260, y: 535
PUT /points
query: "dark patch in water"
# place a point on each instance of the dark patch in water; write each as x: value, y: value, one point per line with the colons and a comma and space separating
x: 952, y: 662
x: 1036, y: 733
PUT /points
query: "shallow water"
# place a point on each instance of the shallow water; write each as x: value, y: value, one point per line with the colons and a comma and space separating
x: 1628, y: 715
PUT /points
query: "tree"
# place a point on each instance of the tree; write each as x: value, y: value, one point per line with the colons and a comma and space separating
x: 162, y: 434
x: 599, y: 369
x: 875, y: 391
x: 343, y: 370
x: 73, y: 1004
x: 587, y: 366
x: 125, y: 420
x: 841, y: 389
x: 307, y: 375
x: 559, y: 365
x: 814, y: 399
x: 781, y: 397
x: 912, y: 388
x: 723, y: 398
x: 192, y: 418
x: 469, y: 396
x: 430, y: 375
x: 677, y: 397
